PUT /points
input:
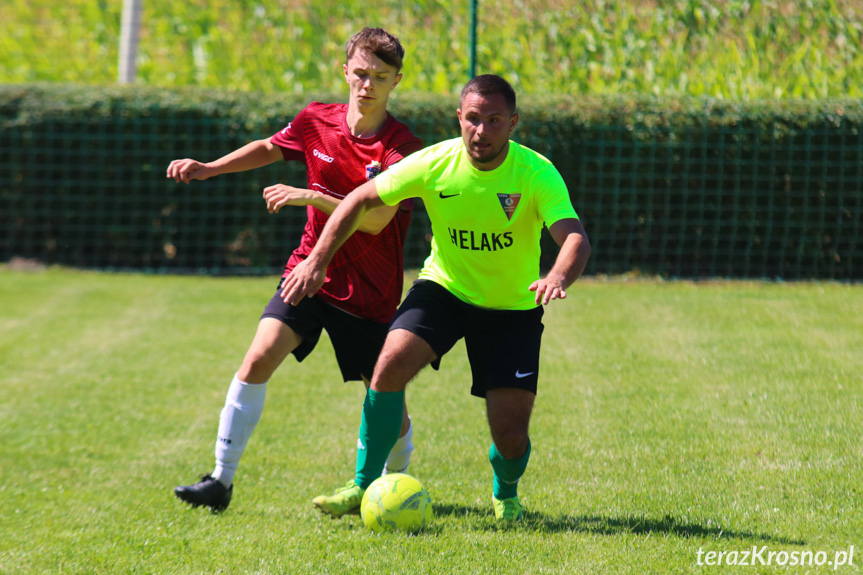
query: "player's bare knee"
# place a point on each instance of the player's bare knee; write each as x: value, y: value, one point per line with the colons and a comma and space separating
x: 390, y: 378
x: 395, y: 368
x: 257, y: 367
x: 512, y: 444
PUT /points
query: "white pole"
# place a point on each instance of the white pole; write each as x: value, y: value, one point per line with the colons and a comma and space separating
x: 129, y: 31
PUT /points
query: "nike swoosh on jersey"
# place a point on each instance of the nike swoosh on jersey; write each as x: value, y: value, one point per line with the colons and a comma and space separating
x: 520, y: 375
x: 443, y: 197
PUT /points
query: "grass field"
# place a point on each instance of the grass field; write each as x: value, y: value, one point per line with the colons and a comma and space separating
x: 732, y: 49
x: 672, y: 417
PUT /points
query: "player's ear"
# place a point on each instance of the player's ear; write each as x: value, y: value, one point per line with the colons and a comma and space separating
x: 398, y: 79
x: 345, y: 68
x: 512, y: 122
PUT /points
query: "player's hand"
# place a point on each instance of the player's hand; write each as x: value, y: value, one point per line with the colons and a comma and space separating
x: 280, y: 195
x: 186, y: 170
x: 304, y: 281
x: 547, y: 290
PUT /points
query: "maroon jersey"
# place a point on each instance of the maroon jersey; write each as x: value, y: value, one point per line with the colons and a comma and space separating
x: 366, y: 275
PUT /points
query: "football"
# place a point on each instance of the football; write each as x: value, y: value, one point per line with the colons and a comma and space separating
x: 396, y: 502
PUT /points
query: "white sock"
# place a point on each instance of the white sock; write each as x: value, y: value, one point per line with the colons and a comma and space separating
x: 243, y: 407
x: 400, y: 455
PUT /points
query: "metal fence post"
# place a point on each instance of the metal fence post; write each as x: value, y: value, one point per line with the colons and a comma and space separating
x: 129, y: 32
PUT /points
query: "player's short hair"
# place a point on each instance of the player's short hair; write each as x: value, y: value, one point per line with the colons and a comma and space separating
x: 487, y: 85
x: 380, y: 43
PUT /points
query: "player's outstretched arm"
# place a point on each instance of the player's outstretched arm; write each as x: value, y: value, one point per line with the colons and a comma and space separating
x: 280, y: 195
x: 253, y: 155
x: 570, y: 263
x: 308, y: 276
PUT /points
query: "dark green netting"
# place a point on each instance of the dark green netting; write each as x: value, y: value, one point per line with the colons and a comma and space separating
x: 679, y: 193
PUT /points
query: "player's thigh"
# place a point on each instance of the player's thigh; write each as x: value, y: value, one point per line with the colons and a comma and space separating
x: 403, y: 356
x: 433, y: 314
x: 503, y: 348
x: 272, y: 343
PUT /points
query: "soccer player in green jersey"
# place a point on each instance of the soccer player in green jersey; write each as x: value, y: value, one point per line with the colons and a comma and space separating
x: 488, y: 199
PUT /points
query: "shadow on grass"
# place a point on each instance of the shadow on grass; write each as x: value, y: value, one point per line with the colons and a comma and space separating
x: 602, y: 525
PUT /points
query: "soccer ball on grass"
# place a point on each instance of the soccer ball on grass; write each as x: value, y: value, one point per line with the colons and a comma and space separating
x: 396, y: 502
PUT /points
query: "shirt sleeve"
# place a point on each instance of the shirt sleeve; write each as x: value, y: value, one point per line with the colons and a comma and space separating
x: 291, y: 139
x: 404, y: 180
x: 554, y: 203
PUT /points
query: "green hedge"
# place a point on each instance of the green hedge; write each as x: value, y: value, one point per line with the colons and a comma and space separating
x: 679, y: 188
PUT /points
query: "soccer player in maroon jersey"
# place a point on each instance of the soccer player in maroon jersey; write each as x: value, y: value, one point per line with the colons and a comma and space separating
x: 342, y: 145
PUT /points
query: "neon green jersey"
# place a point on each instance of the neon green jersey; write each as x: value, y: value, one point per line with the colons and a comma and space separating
x: 486, y: 224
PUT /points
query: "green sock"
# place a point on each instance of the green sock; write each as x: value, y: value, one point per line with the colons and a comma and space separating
x: 379, y: 431
x: 507, y: 472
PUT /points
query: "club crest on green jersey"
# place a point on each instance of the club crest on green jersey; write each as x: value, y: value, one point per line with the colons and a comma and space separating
x: 509, y: 202
x: 372, y: 170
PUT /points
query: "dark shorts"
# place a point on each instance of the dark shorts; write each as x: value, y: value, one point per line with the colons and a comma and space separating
x: 502, y: 345
x: 356, y: 341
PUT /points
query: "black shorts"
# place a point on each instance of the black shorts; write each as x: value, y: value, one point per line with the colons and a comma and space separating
x: 356, y: 341
x: 502, y: 345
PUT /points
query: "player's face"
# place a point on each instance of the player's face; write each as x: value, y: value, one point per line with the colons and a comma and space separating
x: 486, y: 124
x: 371, y: 80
